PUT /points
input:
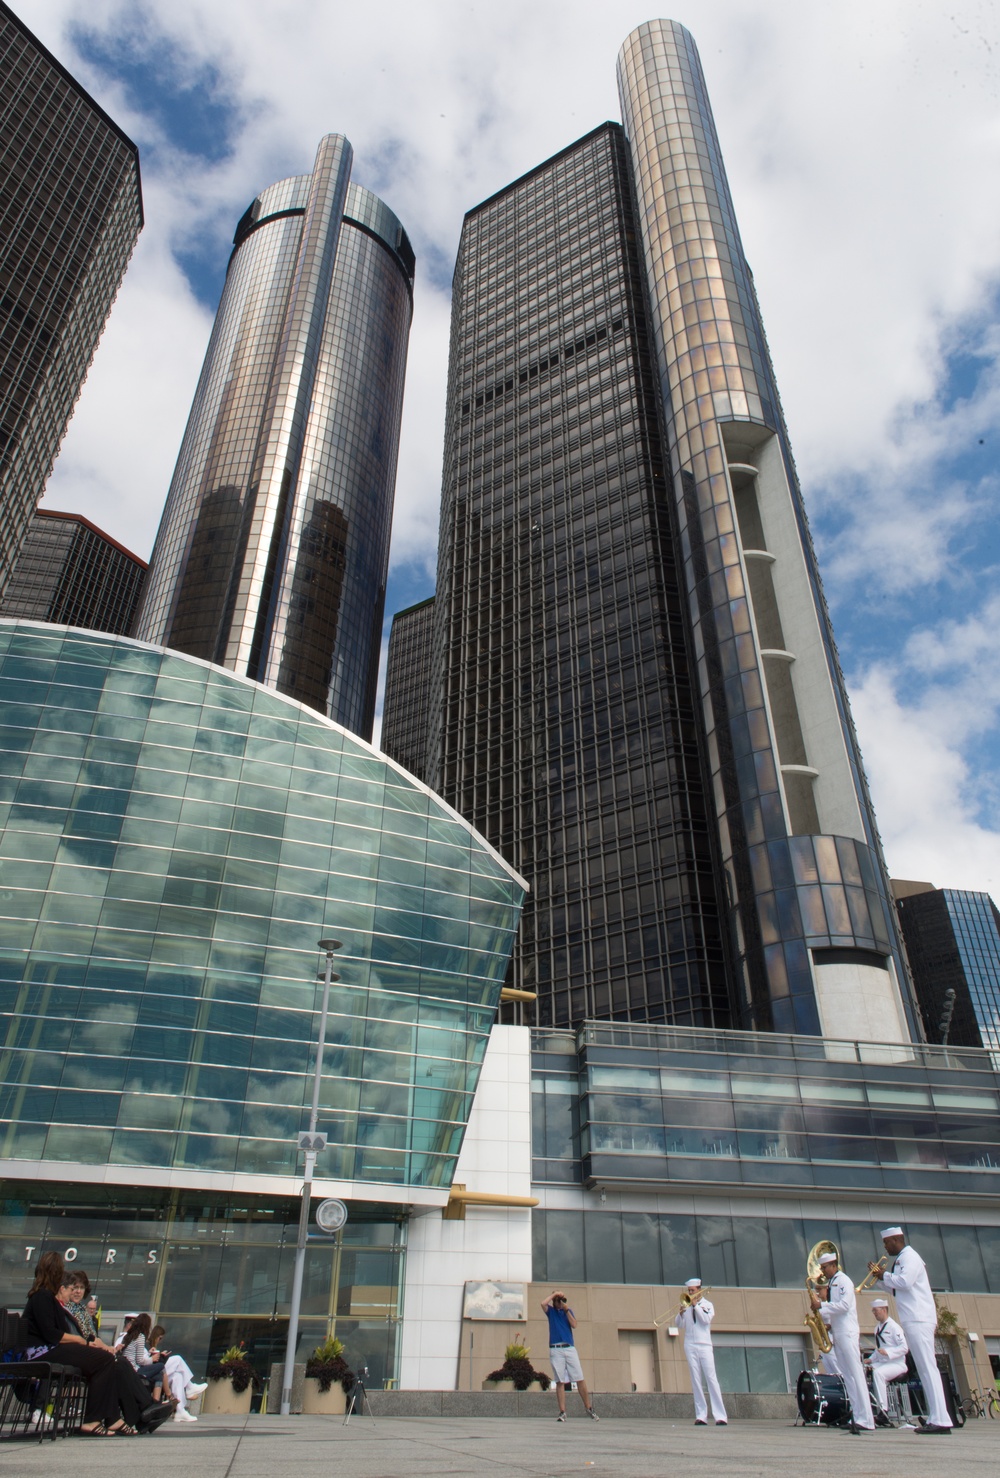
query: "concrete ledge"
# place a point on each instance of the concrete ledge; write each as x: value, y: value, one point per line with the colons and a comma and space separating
x: 674, y: 1406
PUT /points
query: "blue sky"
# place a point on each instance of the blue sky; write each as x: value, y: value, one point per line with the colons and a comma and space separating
x: 863, y: 161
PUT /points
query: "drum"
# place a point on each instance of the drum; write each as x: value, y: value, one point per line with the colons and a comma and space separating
x: 822, y: 1399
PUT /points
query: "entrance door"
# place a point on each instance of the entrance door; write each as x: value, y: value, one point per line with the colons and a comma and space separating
x: 641, y: 1348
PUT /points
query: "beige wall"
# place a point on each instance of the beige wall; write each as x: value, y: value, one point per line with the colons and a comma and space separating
x: 603, y: 1310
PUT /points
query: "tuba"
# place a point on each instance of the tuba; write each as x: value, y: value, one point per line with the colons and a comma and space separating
x: 816, y: 1278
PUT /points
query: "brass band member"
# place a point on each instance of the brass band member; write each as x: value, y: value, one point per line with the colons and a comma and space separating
x: 888, y: 1359
x: 918, y: 1315
x: 696, y: 1322
x: 838, y: 1308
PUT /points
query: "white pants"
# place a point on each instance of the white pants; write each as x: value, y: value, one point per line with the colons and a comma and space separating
x: 830, y: 1363
x: 701, y: 1363
x: 920, y: 1338
x: 179, y: 1377
x: 882, y: 1371
x: 850, y: 1367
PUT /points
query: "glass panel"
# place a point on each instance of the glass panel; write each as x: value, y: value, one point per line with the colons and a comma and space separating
x: 766, y: 1369
x: 731, y: 1368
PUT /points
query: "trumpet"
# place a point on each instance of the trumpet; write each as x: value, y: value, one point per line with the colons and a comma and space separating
x: 872, y: 1278
x: 816, y: 1279
x: 686, y: 1302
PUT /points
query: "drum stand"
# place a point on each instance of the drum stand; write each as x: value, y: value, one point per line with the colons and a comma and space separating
x: 359, y: 1401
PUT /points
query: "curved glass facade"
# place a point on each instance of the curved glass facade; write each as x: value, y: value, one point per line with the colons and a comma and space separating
x: 272, y: 553
x: 175, y: 840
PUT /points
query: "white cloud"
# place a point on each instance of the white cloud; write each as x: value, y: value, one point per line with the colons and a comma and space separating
x: 863, y: 145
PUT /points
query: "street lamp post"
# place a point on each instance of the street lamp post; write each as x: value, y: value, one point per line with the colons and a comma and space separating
x: 312, y: 1143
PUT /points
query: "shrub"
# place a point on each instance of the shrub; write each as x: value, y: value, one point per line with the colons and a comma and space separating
x: 234, y: 1367
x: 326, y: 1364
x: 518, y: 1368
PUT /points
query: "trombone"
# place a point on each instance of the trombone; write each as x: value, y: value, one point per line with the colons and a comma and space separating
x: 685, y: 1303
x: 872, y: 1278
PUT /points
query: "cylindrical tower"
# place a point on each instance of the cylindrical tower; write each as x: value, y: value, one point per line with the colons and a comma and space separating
x: 812, y: 921
x: 272, y: 552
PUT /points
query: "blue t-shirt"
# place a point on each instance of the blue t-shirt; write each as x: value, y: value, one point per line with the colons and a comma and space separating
x: 560, y: 1332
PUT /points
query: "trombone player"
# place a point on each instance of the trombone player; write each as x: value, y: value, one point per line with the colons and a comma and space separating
x: 837, y: 1306
x: 695, y: 1318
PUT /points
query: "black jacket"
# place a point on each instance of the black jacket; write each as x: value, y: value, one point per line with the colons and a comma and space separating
x: 47, y: 1320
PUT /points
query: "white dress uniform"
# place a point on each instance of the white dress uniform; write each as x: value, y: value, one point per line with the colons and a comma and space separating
x: 888, y: 1359
x: 696, y: 1324
x: 918, y: 1315
x: 840, y: 1314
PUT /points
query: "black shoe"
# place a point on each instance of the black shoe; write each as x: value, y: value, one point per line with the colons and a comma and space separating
x: 927, y: 1430
x: 700, y: 1423
x: 154, y: 1416
x: 722, y: 1424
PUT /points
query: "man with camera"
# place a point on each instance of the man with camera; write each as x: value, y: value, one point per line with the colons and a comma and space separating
x: 562, y: 1352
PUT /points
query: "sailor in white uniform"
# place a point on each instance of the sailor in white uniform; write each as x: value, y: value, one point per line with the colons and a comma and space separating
x: 839, y: 1313
x: 907, y: 1277
x: 888, y: 1359
x: 696, y: 1322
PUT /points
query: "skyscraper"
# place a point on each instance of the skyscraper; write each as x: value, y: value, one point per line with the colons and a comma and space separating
x: 408, y: 687
x: 70, y: 214
x: 272, y: 552
x: 71, y: 573
x: 641, y: 703
x: 952, y: 939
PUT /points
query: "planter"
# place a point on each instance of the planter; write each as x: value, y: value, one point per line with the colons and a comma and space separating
x: 221, y: 1400
x: 498, y: 1385
x: 323, y: 1403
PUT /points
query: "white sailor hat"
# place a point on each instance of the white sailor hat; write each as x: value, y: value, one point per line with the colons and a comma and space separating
x: 828, y: 1257
x: 693, y: 1283
x: 880, y: 1303
x: 891, y: 1232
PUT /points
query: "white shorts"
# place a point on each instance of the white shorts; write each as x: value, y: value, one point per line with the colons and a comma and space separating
x: 565, y: 1364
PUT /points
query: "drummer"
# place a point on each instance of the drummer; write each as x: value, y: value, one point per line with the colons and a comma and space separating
x: 888, y: 1359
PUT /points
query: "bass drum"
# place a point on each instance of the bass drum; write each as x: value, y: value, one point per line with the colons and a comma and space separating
x: 822, y: 1399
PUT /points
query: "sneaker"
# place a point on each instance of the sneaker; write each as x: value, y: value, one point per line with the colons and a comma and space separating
x: 592, y: 1414
x: 183, y: 1415
x: 41, y: 1419
x: 195, y: 1389
x: 561, y: 1417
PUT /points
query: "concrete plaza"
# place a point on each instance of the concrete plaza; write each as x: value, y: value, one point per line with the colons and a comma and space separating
x: 490, y: 1447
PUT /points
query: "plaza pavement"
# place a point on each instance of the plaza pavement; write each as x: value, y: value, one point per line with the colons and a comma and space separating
x: 491, y: 1447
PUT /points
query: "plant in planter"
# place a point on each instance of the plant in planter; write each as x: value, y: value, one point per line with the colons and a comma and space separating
x: 231, y: 1383
x: 329, y: 1379
x: 518, y: 1370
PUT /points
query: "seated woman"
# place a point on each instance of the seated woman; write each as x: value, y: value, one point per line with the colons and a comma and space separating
x: 180, y: 1378
x: 117, y: 1401
x: 77, y: 1291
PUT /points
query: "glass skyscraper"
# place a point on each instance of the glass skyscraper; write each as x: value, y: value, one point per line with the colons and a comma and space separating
x: 408, y: 688
x: 641, y: 704
x: 71, y: 573
x: 70, y: 215
x: 952, y: 939
x: 272, y: 552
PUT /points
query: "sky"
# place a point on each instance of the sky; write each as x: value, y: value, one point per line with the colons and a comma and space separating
x: 862, y: 141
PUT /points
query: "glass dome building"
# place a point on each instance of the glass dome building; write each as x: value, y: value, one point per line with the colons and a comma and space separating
x: 174, y: 841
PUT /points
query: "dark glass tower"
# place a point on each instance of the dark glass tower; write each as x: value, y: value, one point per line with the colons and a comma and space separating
x: 569, y: 732
x: 641, y: 701
x: 272, y: 552
x: 952, y: 939
x: 408, y: 688
x: 71, y: 573
x: 70, y: 214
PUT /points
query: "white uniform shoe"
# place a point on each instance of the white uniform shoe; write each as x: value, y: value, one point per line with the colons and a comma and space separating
x: 195, y: 1389
x: 183, y: 1415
